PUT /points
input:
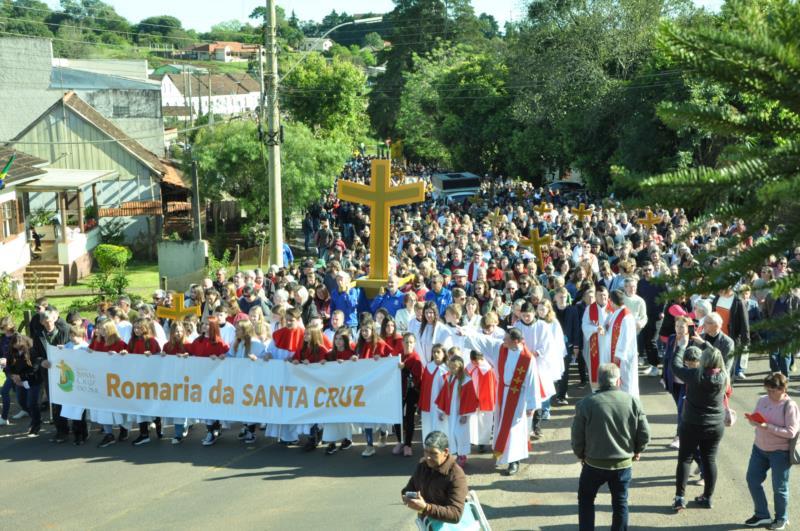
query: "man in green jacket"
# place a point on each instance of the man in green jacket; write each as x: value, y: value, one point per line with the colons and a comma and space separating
x: 609, y: 433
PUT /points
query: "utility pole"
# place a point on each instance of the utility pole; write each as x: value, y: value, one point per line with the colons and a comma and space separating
x: 210, y: 113
x: 191, y: 105
x: 198, y: 233
x: 273, y: 141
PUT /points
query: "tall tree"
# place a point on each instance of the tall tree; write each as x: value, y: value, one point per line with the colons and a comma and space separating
x: 418, y: 28
x: 753, y: 57
x: 329, y: 96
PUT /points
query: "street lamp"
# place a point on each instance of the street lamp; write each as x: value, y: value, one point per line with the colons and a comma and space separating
x: 369, y: 20
x: 273, y: 127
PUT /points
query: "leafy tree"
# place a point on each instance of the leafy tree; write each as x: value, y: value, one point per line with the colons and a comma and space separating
x: 231, y: 160
x: 489, y: 26
x: 455, y: 109
x: 752, y: 55
x: 419, y: 26
x: 573, y: 63
x: 163, y: 29
x: 373, y: 40
x: 330, y: 96
x: 26, y: 17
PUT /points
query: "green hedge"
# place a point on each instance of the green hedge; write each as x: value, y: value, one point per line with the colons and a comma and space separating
x: 111, y: 257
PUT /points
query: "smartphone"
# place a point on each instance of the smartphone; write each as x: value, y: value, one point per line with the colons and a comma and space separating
x: 411, y: 495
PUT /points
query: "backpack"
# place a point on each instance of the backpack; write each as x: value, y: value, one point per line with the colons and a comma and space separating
x: 794, y: 452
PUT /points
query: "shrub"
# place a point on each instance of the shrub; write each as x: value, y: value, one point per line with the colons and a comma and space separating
x: 110, y: 257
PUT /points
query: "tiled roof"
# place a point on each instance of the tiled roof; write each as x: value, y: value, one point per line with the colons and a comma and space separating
x: 221, y: 84
x: 173, y: 175
x: 24, y: 165
x: 72, y: 101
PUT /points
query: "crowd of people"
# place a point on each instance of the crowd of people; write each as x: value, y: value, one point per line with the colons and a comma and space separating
x: 487, y: 337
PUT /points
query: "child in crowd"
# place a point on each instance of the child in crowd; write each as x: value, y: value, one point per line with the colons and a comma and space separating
x: 431, y: 383
x: 485, y: 381
x: 457, y: 402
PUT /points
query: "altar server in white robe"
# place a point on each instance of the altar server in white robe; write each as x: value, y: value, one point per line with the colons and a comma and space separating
x: 620, y: 344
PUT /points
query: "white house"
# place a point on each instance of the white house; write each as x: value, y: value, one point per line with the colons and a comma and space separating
x: 225, y: 94
x: 315, y: 44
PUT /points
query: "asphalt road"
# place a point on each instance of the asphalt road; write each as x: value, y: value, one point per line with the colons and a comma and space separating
x: 266, y: 485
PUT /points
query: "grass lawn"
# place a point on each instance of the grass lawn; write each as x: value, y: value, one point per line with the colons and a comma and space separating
x: 144, y: 279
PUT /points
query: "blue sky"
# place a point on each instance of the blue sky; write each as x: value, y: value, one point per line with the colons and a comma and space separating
x: 202, y: 14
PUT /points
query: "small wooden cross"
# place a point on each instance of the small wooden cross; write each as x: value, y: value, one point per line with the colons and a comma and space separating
x: 536, y: 243
x: 582, y: 212
x: 542, y: 209
x: 496, y: 218
x: 649, y: 221
x: 177, y: 311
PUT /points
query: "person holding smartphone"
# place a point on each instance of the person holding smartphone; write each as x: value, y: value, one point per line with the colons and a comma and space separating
x: 438, y: 488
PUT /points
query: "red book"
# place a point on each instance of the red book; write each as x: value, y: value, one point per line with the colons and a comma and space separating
x: 756, y: 417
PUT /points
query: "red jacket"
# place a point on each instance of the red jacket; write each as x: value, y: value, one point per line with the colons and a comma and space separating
x: 99, y: 345
x: 394, y: 344
x: 203, y: 348
x: 180, y: 348
x: 412, y: 372
x: 343, y: 355
x: 138, y: 346
x: 379, y: 350
x: 304, y: 354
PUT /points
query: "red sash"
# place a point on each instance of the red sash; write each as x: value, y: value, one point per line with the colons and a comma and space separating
x: 594, y: 343
x: 509, y: 408
x: 615, y: 329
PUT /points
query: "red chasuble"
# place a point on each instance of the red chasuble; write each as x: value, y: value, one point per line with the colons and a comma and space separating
x: 467, y: 400
x: 509, y: 407
x: 485, y: 386
x: 427, y: 387
x: 594, y: 341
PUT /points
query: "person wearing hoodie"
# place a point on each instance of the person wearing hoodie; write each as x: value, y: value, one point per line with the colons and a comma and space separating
x: 702, y: 422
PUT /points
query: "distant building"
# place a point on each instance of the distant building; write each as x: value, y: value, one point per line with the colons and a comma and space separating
x: 224, y: 51
x: 179, y: 69
x: 315, y: 44
x: 229, y: 94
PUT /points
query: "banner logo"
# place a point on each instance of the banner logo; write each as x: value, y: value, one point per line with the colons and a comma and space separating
x: 66, y: 378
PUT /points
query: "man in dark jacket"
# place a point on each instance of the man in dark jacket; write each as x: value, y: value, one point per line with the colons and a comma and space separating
x: 54, y: 331
x: 570, y: 321
x: 438, y: 483
x: 609, y: 433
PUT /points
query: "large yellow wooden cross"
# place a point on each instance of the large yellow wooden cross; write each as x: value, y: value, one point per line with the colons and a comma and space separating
x: 380, y: 196
x: 582, y: 212
x: 536, y: 243
x: 649, y: 221
x: 177, y: 311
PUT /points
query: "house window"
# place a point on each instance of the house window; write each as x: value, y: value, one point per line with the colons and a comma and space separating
x: 8, y: 220
x: 121, y: 111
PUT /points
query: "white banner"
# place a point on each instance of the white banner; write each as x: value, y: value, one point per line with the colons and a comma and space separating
x: 274, y: 392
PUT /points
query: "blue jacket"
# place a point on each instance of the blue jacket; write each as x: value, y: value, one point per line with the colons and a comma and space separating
x: 392, y: 303
x: 288, y: 255
x: 348, y: 304
x: 443, y: 299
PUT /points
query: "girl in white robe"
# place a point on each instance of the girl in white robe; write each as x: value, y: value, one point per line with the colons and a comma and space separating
x: 457, y: 403
x: 433, y: 378
x: 431, y: 332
